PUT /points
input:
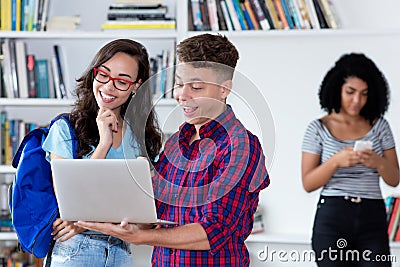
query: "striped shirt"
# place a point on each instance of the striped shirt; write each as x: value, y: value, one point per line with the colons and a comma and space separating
x: 214, y: 181
x: 358, y: 180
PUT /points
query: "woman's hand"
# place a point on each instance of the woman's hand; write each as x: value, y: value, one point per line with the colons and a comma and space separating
x: 66, y: 229
x: 347, y: 157
x: 107, y: 123
x: 369, y: 158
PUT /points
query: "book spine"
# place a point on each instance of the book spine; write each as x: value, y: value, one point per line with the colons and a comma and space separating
x: 295, y: 14
x: 42, y: 74
x: 14, y: 73
x: 313, y: 14
x: 212, y: 12
x: 328, y: 14
x: 240, y: 15
x: 6, y: 65
x: 264, y: 24
x: 228, y: 20
x: 221, y: 18
x: 57, y: 55
x: 252, y: 14
x: 320, y: 15
x: 20, y: 52
x: 196, y: 13
x: 274, y: 15
x: 204, y: 15
x: 287, y: 14
x: 246, y: 15
x: 31, y: 76
x: 233, y: 15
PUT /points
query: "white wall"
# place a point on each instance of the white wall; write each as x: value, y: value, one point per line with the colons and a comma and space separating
x: 288, y: 71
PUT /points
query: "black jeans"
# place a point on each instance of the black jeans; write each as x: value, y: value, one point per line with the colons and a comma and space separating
x: 351, y: 232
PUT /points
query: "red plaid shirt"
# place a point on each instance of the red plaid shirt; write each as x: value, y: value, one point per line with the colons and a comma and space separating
x: 215, y: 181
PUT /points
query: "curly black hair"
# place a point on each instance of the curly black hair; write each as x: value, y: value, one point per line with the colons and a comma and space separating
x: 359, y: 66
x: 139, y: 115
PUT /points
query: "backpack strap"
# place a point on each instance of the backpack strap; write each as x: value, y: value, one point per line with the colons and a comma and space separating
x: 65, y: 117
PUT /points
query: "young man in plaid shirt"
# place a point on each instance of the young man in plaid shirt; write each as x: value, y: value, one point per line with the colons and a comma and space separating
x: 211, y: 171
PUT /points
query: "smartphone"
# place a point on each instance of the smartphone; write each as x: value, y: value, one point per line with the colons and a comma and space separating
x: 362, y: 145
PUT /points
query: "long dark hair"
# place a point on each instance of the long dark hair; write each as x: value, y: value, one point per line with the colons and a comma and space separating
x: 141, y: 117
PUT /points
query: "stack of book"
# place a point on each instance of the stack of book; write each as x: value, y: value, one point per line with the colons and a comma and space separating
x: 239, y: 15
x: 136, y: 14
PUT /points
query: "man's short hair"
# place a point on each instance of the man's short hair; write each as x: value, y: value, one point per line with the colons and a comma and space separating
x: 203, y: 51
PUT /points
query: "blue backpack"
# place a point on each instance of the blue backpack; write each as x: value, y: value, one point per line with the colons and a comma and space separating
x: 32, y: 202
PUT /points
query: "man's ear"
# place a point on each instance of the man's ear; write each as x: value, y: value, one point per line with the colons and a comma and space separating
x: 226, y: 88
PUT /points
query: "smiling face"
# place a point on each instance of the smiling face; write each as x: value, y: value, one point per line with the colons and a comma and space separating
x: 122, y: 66
x: 199, y: 93
x: 354, y: 96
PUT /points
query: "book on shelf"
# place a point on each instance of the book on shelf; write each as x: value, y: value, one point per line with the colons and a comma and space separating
x: 227, y: 17
x: 304, y: 13
x: 6, y: 68
x: 22, y: 70
x: 258, y: 224
x: 221, y: 18
x: 288, y: 14
x: 240, y: 15
x: 394, y: 219
x: 30, y: 64
x: 61, y: 88
x: 233, y: 15
x: 295, y: 12
x: 197, y: 19
x: 212, y: 14
x: 320, y: 15
x: 270, y: 6
x: 312, y: 14
x: 42, y: 81
x: 247, y: 18
x: 260, y: 15
x: 281, y: 14
x: 5, y: 15
x: 252, y: 14
x: 139, y: 24
x: 205, y: 16
x: 329, y: 13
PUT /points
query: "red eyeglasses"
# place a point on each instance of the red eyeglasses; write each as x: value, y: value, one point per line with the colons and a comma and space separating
x: 119, y: 83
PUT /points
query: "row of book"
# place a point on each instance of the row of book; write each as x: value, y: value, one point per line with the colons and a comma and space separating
x: 24, y: 75
x: 23, y: 15
x: 238, y: 15
x: 12, y: 131
x: 392, y: 204
x: 162, y: 74
x: 138, y: 16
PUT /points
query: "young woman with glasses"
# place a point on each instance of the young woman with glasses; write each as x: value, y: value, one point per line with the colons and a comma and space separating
x: 113, y: 117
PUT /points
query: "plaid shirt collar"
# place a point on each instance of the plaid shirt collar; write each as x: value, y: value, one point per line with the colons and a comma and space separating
x: 212, y: 129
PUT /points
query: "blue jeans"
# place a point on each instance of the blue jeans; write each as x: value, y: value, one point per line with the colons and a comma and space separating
x: 95, y: 250
x: 350, y: 233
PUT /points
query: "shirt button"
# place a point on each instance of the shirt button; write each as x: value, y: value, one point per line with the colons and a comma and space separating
x: 171, y: 251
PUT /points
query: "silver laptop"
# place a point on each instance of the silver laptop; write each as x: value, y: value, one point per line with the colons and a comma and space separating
x: 105, y: 190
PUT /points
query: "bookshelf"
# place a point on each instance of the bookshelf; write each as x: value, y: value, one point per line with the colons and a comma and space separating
x: 286, y: 66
